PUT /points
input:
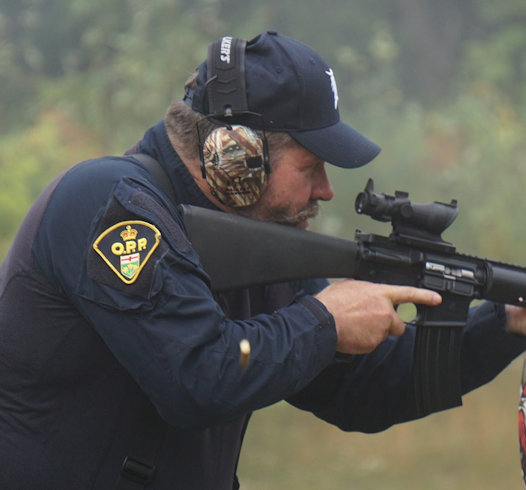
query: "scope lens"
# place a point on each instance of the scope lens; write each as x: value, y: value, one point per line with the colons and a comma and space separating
x: 359, y: 204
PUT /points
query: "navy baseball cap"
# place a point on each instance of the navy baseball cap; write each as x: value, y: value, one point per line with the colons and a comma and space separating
x: 291, y: 89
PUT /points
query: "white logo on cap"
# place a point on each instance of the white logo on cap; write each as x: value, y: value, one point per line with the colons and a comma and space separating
x: 333, y: 86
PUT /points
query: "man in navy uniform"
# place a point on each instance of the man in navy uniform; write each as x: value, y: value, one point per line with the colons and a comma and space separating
x: 119, y: 367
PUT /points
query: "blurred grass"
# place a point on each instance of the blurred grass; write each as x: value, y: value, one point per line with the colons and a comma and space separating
x: 467, y: 448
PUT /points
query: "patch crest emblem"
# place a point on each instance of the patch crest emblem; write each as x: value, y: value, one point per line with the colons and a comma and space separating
x: 127, y: 246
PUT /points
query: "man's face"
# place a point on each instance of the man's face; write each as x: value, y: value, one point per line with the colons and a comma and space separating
x: 297, y: 181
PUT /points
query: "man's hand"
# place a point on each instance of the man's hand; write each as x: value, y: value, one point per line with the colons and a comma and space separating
x: 365, y: 313
x: 516, y: 319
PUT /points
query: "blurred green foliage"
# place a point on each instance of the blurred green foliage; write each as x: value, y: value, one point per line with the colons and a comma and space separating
x: 439, y: 85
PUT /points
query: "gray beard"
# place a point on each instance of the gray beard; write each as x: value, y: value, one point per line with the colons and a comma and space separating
x: 310, y: 211
x: 279, y: 215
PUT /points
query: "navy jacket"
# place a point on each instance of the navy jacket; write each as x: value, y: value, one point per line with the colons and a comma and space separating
x: 105, y: 311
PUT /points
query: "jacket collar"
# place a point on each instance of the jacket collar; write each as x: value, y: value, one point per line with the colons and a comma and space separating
x: 157, y: 144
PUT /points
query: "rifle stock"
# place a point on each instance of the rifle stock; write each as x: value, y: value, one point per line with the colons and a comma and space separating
x: 238, y: 252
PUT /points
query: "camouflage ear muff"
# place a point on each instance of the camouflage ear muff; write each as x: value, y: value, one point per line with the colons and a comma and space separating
x: 234, y: 163
x: 234, y: 158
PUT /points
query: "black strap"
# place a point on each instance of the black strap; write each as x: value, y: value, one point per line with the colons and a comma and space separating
x: 138, y: 468
x: 158, y: 173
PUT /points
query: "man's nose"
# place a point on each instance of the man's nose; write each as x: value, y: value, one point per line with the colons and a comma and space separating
x: 321, y: 186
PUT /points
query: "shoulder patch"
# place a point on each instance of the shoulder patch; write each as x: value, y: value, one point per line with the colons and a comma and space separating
x: 126, y: 247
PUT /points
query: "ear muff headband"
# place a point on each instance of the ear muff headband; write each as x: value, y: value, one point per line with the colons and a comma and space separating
x: 226, y: 90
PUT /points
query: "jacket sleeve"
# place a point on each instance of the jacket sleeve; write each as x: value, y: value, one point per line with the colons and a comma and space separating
x: 375, y: 391
x: 130, y: 271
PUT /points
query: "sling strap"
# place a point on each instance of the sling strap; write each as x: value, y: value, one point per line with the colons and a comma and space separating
x: 138, y: 468
x: 158, y: 173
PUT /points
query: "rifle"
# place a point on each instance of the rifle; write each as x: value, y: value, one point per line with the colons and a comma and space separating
x: 239, y: 252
